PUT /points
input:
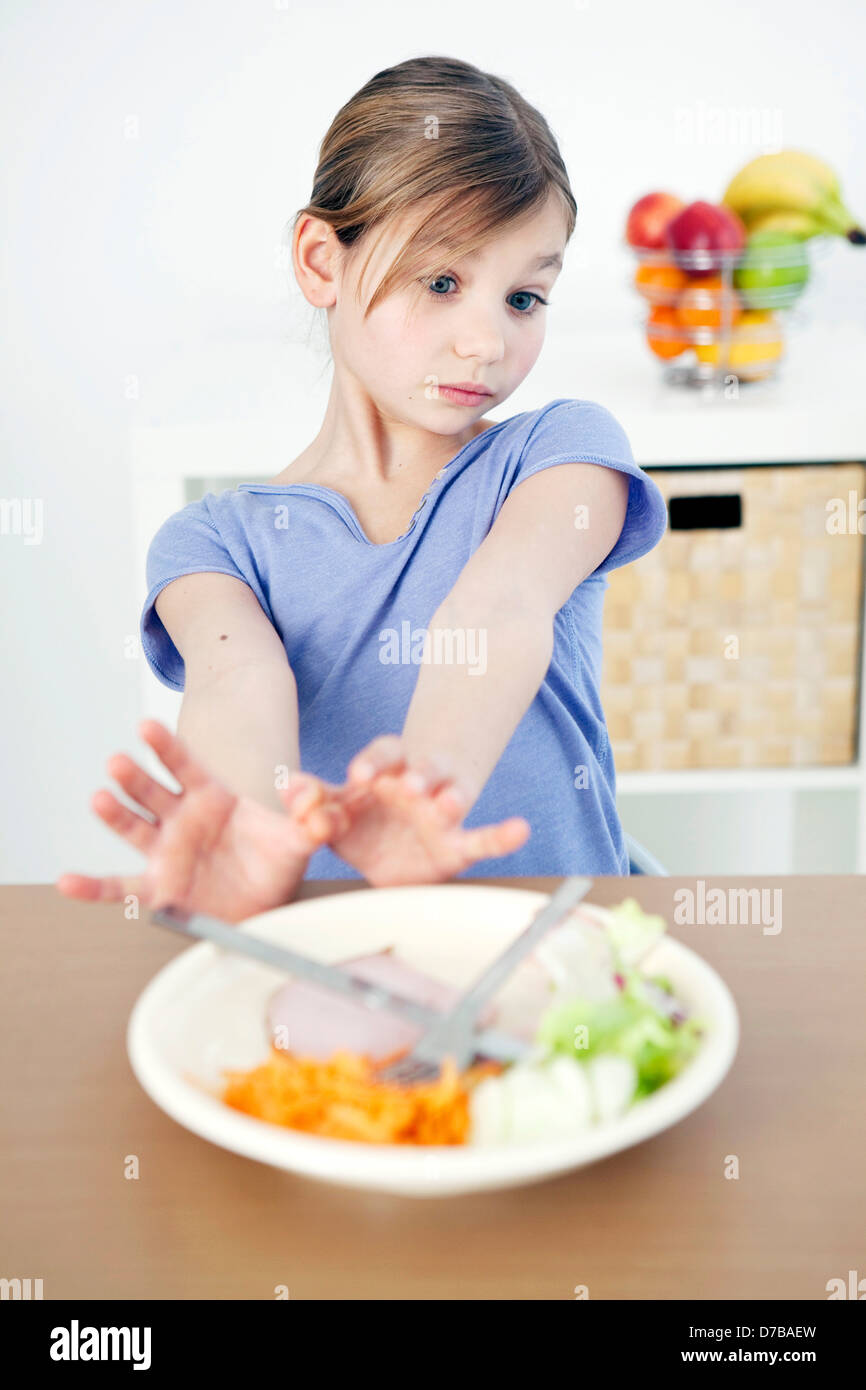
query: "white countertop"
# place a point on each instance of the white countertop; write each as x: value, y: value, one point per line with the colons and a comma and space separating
x: 813, y: 409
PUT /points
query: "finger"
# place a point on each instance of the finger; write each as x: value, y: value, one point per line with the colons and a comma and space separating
x: 328, y: 811
x: 106, y: 890
x: 321, y: 825
x: 433, y: 817
x: 451, y: 803
x: 140, y: 786
x: 197, y: 826
x: 185, y: 840
x: 444, y: 808
x: 385, y: 753
x: 390, y: 788
x: 491, y: 841
x: 426, y: 774
x: 356, y: 795
x: 327, y: 823
x: 310, y: 792
x: 320, y: 812
x: 135, y: 829
x: 290, y: 792
x: 434, y: 774
x: 174, y: 754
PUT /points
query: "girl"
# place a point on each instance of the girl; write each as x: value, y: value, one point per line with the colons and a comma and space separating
x: 415, y: 602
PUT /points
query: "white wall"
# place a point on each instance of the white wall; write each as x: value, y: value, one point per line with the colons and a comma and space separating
x: 152, y: 156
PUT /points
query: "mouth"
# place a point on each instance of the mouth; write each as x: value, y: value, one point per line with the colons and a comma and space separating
x: 465, y: 393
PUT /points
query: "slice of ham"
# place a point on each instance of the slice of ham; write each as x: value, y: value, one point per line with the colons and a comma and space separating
x: 315, y: 1022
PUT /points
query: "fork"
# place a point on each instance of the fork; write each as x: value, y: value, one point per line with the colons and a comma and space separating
x: 452, y: 1034
x: 490, y: 1042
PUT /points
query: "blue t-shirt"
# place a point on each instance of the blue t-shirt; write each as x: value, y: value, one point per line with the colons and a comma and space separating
x: 333, y: 595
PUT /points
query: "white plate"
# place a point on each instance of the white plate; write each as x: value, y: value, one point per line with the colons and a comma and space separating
x: 206, y: 1010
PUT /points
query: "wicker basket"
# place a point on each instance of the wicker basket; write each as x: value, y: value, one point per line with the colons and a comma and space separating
x: 736, y: 642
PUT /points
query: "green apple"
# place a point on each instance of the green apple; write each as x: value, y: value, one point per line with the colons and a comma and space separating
x: 773, y: 270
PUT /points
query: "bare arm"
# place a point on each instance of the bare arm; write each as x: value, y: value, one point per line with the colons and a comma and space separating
x: 506, y: 597
x: 465, y: 720
x: 239, y: 715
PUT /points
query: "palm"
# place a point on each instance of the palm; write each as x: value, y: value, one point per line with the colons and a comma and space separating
x: 226, y: 855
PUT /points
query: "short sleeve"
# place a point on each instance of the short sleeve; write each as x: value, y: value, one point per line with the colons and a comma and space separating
x: 188, y: 542
x: 578, y: 431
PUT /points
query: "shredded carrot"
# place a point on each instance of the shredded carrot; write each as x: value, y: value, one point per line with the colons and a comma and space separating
x: 344, y: 1098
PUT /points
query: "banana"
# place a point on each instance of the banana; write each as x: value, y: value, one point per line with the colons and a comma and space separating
x: 798, y: 224
x: 771, y: 184
x: 792, y: 182
x: 823, y: 175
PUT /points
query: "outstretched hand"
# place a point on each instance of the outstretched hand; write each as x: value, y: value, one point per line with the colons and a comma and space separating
x: 207, y: 849
x: 404, y: 820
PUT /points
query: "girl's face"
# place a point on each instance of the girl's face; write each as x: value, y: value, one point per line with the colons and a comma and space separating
x: 481, y: 320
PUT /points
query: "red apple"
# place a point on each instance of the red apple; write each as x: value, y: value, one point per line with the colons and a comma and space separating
x: 703, y: 228
x: 648, y: 218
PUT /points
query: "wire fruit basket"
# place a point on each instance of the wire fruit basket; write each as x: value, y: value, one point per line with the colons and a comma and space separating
x: 719, y: 316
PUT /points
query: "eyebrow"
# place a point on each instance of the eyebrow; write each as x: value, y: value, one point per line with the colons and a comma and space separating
x: 544, y: 261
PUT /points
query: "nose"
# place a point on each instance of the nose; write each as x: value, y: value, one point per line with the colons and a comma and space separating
x: 479, y: 334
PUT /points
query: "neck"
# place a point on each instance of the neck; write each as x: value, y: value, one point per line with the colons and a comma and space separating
x: 359, y: 440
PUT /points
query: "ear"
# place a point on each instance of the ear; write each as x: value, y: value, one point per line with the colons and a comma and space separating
x: 315, y: 260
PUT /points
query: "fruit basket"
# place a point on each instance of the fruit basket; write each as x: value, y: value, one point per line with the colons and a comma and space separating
x: 720, y: 280
x: 713, y: 316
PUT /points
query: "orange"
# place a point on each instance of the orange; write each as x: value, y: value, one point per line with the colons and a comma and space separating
x: 756, y: 343
x: 663, y: 332
x: 701, y: 304
x: 660, y: 283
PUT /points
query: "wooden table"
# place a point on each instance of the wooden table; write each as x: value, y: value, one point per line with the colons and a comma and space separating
x: 659, y: 1221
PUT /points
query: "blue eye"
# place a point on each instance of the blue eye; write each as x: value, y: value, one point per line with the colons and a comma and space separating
x: 437, y: 281
x: 529, y: 294
x: 525, y: 313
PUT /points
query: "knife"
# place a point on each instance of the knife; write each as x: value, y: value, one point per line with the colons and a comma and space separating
x: 501, y: 1047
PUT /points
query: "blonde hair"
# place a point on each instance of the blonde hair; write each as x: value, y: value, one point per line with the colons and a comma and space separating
x: 437, y: 137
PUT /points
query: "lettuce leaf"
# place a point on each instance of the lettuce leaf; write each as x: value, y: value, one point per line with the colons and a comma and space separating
x: 627, y: 1026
